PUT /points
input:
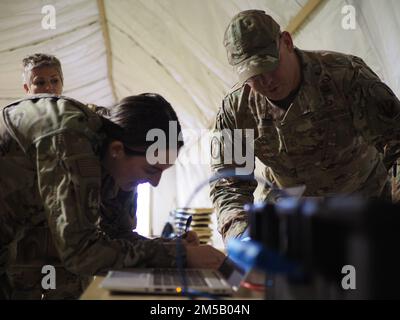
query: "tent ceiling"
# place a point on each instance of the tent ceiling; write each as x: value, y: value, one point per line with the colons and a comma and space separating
x: 77, y: 41
x: 171, y: 47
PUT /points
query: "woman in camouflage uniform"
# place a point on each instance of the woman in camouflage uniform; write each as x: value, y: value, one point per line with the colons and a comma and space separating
x: 63, y: 165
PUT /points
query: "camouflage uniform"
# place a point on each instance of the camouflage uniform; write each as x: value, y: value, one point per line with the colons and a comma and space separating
x: 32, y: 252
x: 36, y: 248
x: 331, y: 138
x: 51, y: 174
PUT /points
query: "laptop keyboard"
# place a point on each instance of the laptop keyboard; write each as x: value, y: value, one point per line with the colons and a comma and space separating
x: 172, y: 277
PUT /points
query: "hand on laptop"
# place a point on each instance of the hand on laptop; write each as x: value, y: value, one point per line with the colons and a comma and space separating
x: 203, y: 257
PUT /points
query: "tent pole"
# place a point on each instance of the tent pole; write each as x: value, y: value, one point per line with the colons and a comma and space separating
x: 299, y: 19
x: 106, y: 37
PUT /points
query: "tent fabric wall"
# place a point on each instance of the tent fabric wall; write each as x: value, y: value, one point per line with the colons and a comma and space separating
x: 374, y: 39
x: 381, y: 25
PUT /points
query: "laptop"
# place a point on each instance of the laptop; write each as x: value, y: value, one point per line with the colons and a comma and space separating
x: 224, y: 281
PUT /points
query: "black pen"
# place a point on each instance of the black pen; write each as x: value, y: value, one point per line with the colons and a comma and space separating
x: 187, y: 226
x: 188, y: 222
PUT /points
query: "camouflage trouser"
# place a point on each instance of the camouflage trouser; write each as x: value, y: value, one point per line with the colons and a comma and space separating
x: 33, y: 251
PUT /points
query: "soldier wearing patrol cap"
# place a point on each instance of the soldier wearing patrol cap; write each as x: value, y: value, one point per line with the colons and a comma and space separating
x: 321, y: 119
x: 63, y: 165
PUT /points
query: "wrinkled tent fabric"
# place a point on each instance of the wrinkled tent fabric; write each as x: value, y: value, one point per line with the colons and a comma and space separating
x: 175, y: 48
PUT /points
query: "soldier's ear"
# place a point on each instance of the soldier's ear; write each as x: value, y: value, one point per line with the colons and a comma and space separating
x: 116, y: 149
x: 26, y: 88
x: 287, y: 41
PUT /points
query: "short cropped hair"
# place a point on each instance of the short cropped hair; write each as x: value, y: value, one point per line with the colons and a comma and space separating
x: 38, y: 60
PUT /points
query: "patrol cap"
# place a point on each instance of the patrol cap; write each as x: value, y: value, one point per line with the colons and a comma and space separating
x: 251, y: 43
